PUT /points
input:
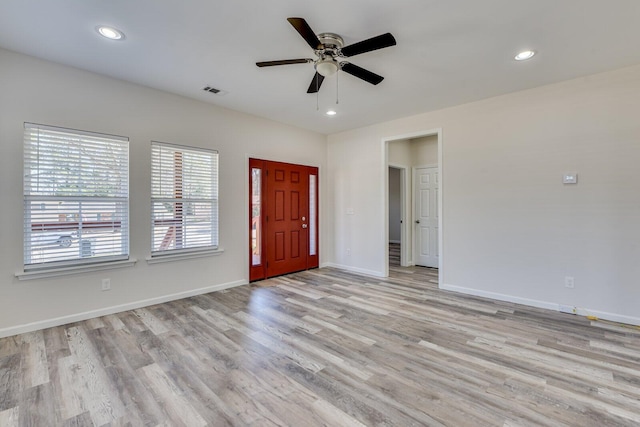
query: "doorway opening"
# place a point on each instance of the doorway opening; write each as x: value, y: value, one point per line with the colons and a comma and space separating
x: 417, y: 159
x: 283, y: 218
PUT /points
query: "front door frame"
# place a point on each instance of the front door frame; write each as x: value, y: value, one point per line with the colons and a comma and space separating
x: 260, y: 271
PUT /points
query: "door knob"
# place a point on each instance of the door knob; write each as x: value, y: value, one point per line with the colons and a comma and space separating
x: 304, y: 225
x: 417, y: 221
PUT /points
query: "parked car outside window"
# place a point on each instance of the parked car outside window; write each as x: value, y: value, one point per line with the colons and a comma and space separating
x: 50, y: 238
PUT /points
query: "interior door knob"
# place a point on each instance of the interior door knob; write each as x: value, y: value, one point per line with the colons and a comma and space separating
x: 417, y: 221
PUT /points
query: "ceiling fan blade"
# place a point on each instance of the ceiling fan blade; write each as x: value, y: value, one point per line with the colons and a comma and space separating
x: 374, y: 43
x: 315, y: 83
x: 361, y: 73
x: 283, y: 62
x: 306, y: 32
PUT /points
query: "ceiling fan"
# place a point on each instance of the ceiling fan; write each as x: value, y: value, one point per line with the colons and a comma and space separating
x: 329, y: 51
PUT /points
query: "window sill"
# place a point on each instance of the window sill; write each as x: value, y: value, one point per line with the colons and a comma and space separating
x: 77, y: 269
x: 184, y: 255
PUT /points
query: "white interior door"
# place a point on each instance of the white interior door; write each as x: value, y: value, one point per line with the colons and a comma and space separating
x: 425, y: 185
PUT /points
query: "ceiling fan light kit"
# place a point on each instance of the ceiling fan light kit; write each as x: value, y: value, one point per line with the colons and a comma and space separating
x: 330, y: 50
x: 327, y: 67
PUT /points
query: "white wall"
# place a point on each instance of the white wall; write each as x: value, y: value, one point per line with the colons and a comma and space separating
x: 424, y: 151
x: 42, y: 92
x: 512, y: 230
x: 400, y: 153
x: 413, y: 152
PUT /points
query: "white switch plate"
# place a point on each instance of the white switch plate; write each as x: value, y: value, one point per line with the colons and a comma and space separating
x: 569, y: 282
x: 570, y: 178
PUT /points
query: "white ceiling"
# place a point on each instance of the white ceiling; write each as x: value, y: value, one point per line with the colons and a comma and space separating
x: 449, y: 52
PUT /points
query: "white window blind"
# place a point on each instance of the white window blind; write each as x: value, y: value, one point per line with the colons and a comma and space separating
x: 76, y: 197
x: 184, y: 197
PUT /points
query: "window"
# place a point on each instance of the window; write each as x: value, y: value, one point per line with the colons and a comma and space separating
x: 312, y: 215
x: 256, y: 212
x: 184, y: 197
x: 76, y: 197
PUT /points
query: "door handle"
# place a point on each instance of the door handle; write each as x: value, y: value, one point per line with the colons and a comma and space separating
x: 304, y: 225
x: 417, y: 221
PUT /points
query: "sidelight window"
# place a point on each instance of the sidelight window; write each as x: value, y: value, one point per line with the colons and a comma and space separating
x: 256, y: 213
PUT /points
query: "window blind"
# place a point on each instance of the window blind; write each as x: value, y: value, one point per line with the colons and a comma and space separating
x: 184, y: 198
x: 76, y: 197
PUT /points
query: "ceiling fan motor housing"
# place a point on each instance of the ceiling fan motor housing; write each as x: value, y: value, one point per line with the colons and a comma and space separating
x: 331, y: 40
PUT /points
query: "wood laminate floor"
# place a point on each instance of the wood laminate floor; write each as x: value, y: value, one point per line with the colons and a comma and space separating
x: 325, y: 347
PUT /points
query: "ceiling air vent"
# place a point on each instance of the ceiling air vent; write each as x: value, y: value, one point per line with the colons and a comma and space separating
x: 211, y: 89
x: 214, y: 91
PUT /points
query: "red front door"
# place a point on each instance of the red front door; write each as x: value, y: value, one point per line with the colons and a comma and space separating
x: 284, y: 220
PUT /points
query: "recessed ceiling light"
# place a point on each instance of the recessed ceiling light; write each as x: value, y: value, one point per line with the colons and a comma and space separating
x: 110, y: 33
x: 524, y: 55
x: 331, y: 113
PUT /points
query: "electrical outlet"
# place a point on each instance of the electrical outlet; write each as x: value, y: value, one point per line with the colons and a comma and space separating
x: 106, y: 284
x: 567, y: 309
x: 569, y: 282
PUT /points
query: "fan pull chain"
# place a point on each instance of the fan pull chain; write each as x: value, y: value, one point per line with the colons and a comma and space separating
x: 317, y: 93
x: 337, y: 88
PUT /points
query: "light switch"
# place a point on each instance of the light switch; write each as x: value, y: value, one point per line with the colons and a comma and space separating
x: 350, y: 211
x: 570, y: 178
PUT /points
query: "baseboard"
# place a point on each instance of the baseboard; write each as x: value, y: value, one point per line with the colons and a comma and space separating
x: 500, y: 297
x: 542, y: 304
x: 58, y: 321
x: 603, y: 315
x: 354, y: 269
x: 395, y: 241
